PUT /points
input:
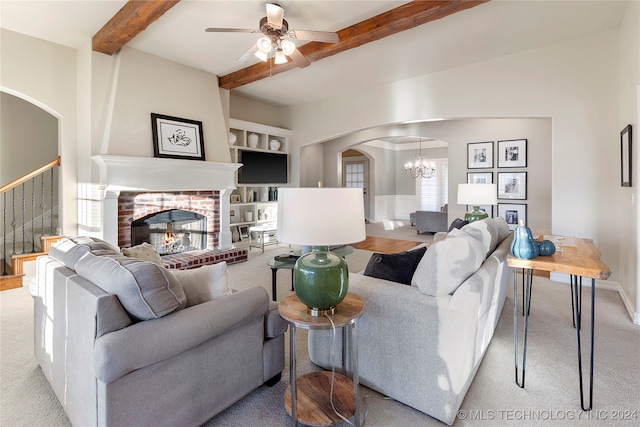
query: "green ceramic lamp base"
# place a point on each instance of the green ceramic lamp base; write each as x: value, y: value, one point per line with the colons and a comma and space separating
x: 475, y: 215
x: 321, y: 280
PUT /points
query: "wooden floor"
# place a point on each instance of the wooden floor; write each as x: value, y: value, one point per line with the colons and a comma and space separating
x: 385, y: 245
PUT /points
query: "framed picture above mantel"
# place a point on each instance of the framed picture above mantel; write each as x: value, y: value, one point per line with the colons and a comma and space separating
x: 177, y: 138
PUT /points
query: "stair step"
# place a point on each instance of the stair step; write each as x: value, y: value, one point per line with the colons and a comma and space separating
x: 11, y: 282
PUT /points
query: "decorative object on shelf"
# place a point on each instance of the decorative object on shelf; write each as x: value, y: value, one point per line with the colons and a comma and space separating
x: 248, y: 216
x: 480, y: 155
x: 512, y: 154
x: 421, y: 168
x: 264, y: 197
x: 308, y: 216
x: 252, y: 139
x: 235, y: 198
x: 274, y: 145
x: 625, y: 156
x: 513, y: 214
x: 523, y: 245
x: 177, y: 138
x: 232, y: 138
x: 235, y: 235
x: 512, y: 185
x: 476, y: 195
x: 271, y: 194
x: 546, y: 248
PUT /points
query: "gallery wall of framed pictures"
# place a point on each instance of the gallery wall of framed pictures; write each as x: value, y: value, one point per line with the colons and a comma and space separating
x: 511, y: 177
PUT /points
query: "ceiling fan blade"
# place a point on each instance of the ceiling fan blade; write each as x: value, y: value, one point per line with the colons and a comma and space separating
x: 318, y: 36
x: 249, y: 53
x: 300, y: 60
x: 231, y: 30
x: 275, y: 14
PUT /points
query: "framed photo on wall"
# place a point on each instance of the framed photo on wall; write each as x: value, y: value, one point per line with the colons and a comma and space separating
x: 512, y: 154
x: 512, y: 185
x: 480, y: 155
x: 625, y: 156
x: 479, y: 177
x: 513, y: 214
x: 177, y: 138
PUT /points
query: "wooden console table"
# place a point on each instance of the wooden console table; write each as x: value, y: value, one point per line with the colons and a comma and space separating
x: 315, y: 406
x: 574, y: 256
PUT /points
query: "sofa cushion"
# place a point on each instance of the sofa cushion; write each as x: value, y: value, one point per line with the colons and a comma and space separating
x: 398, y: 267
x: 448, y: 263
x: 503, y: 228
x: 69, y: 250
x: 145, y: 252
x: 145, y: 290
x: 205, y: 283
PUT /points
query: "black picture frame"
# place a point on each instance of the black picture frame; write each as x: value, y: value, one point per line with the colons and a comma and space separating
x: 177, y: 138
x: 480, y: 155
x: 512, y: 153
x: 512, y: 185
x: 625, y: 157
x: 513, y: 213
x: 479, y: 177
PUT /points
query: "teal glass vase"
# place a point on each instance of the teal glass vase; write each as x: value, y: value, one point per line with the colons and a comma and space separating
x: 321, y: 280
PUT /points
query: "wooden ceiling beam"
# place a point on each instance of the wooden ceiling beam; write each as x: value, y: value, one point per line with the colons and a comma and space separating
x: 134, y: 17
x: 401, y: 18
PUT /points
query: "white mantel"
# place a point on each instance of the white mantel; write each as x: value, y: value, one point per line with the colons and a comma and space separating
x: 126, y: 173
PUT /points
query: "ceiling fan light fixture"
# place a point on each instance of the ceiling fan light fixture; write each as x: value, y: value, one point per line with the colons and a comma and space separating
x: 264, y: 45
x: 288, y: 47
x: 280, y: 57
x: 264, y: 57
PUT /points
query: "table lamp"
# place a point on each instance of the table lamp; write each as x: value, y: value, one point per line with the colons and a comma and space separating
x: 476, y: 195
x: 320, y: 217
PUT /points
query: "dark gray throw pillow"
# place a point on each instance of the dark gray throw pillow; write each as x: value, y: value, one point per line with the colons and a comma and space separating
x: 397, y: 267
x: 458, y: 223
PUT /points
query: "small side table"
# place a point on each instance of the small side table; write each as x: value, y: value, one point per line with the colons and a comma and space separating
x: 276, y: 265
x: 314, y: 407
x: 265, y: 229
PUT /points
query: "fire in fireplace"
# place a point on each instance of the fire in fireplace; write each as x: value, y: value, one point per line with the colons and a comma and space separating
x: 171, y: 231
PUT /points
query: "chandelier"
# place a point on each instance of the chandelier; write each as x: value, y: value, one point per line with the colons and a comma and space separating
x: 421, y: 168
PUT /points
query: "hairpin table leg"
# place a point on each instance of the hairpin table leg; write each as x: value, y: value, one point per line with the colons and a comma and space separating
x: 576, y: 293
x: 526, y: 285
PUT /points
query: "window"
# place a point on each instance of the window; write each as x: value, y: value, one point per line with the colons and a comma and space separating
x: 354, y: 175
x: 433, y: 193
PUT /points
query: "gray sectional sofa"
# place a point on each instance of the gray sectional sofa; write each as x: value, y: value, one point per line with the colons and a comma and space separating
x: 428, y: 221
x: 422, y: 344
x: 121, y: 344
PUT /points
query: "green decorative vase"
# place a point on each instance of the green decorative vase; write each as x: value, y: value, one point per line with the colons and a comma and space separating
x: 321, y: 280
x: 475, y: 215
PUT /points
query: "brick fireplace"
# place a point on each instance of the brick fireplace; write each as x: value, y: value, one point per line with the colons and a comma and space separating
x: 125, y: 194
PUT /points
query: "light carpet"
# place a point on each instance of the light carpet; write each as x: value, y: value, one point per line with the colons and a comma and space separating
x: 551, y: 396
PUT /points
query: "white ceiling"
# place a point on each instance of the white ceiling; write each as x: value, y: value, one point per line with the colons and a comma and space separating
x: 497, y: 28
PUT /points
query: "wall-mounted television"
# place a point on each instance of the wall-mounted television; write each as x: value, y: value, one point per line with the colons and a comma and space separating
x: 259, y: 167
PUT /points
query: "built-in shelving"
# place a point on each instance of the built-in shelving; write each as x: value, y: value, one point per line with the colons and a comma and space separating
x: 254, y: 204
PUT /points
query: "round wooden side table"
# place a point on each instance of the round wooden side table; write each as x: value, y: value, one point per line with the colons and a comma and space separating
x: 314, y: 407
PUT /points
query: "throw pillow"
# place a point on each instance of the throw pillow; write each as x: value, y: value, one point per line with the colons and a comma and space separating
x: 69, y: 250
x: 397, y: 267
x: 145, y: 290
x: 448, y: 263
x: 486, y: 231
x: 503, y: 228
x: 145, y: 252
x: 458, y: 223
x: 204, y: 283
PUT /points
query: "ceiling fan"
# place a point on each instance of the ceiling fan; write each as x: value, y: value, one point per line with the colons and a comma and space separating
x: 275, y: 43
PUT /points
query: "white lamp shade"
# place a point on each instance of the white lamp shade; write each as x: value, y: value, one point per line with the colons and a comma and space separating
x: 320, y: 216
x: 477, y: 194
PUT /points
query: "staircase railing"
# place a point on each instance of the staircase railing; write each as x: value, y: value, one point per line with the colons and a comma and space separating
x: 38, y: 187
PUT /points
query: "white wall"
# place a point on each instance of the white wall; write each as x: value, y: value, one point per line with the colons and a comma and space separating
x: 627, y: 198
x: 45, y: 74
x: 575, y: 83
